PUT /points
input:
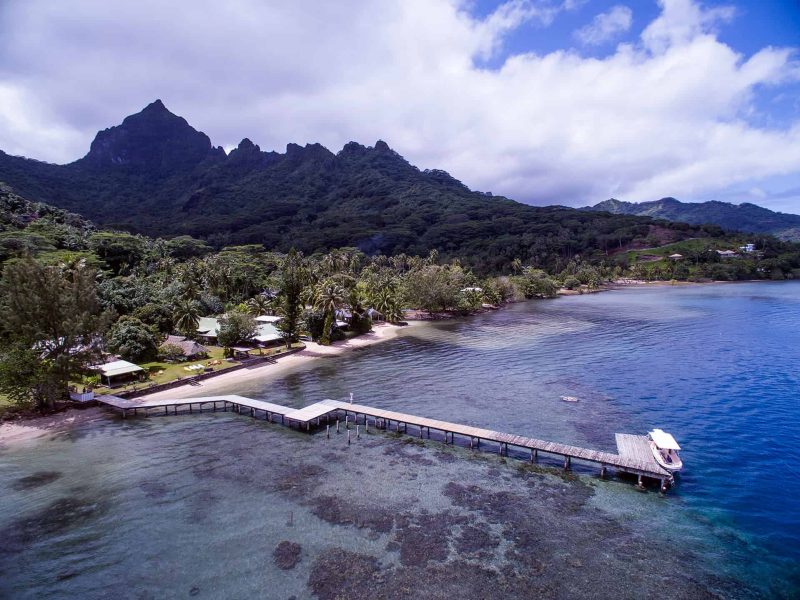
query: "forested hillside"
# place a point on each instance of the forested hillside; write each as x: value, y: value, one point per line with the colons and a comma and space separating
x: 735, y: 217
x: 155, y: 174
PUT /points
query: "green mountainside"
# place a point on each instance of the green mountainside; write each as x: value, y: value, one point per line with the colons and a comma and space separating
x: 735, y: 217
x: 154, y: 174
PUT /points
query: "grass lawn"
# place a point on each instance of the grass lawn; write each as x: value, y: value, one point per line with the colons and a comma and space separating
x: 161, y: 372
x: 5, y: 404
x: 685, y: 248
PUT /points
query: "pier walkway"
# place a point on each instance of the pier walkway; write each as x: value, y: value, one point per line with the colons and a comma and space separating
x: 633, y: 455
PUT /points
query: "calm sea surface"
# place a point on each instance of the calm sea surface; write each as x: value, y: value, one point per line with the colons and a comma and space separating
x: 196, y: 505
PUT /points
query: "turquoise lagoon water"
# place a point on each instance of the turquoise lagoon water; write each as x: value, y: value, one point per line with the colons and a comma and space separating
x: 176, y: 506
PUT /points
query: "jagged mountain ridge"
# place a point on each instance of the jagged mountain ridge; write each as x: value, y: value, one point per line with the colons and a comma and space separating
x: 740, y: 217
x: 155, y: 174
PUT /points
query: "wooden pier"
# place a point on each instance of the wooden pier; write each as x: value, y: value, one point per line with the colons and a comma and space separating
x: 633, y: 455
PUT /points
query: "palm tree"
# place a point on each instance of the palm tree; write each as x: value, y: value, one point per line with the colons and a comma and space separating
x: 259, y: 305
x: 387, y: 302
x: 187, y: 316
x: 330, y: 296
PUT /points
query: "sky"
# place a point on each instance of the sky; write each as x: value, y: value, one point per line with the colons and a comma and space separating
x: 545, y: 101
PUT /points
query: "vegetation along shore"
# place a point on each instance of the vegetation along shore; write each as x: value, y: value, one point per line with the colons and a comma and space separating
x: 90, y: 309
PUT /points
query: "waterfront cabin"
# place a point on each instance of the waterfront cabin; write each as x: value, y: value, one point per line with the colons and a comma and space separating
x: 118, y: 372
x: 191, y: 350
x: 273, y: 319
x: 375, y: 315
x: 208, y: 329
x: 268, y: 334
x: 676, y: 256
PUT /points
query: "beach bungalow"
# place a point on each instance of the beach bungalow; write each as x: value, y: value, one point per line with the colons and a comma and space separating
x: 375, y: 315
x: 267, y: 333
x: 268, y: 319
x: 191, y: 349
x: 118, y: 372
x: 676, y: 256
x: 208, y: 329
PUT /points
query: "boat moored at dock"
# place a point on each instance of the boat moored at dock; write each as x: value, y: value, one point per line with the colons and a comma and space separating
x: 665, y: 450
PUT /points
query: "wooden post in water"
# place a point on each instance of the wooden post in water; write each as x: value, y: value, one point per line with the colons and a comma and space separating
x: 603, y: 472
x: 358, y: 434
x: 348, y: 437
x: 328, y: 431
x: 166, y: 410
x: 337, y: 424
x: 567, y: 462
x: 346, y: 421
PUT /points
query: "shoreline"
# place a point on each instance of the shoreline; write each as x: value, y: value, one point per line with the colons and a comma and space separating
x: 269, y: 371
x: 29, y: 428
x: 32, y: 428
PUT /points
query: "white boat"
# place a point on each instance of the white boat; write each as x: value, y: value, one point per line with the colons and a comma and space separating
x: 665, y: 450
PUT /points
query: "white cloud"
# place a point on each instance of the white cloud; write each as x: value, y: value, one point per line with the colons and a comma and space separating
x: 606, y: 26
x: 667, y: 115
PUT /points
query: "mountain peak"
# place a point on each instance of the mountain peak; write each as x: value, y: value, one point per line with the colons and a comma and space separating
x: 742, y: 217
x: 153, y: 140
x: 156, y: 106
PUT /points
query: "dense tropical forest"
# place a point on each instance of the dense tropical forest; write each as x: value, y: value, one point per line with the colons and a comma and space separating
x: 156, y: 175
x: 71, y: 293
x: 734, y: 217
x: 171, y: 231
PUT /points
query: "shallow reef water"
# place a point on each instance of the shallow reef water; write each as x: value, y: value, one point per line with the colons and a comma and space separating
x: 220, y: 505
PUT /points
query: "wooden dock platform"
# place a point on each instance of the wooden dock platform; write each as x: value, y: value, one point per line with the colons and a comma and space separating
x: 633, y: 455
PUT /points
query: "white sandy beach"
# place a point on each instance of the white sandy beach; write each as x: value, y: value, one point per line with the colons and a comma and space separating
x: 29, y: 429
x: 268, y: 371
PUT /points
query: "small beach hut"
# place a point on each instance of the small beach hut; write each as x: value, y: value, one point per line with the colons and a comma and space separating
x: 118, y: 372
x: 190, y: 348
x: 676, y: 256
x: 208, y: 329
